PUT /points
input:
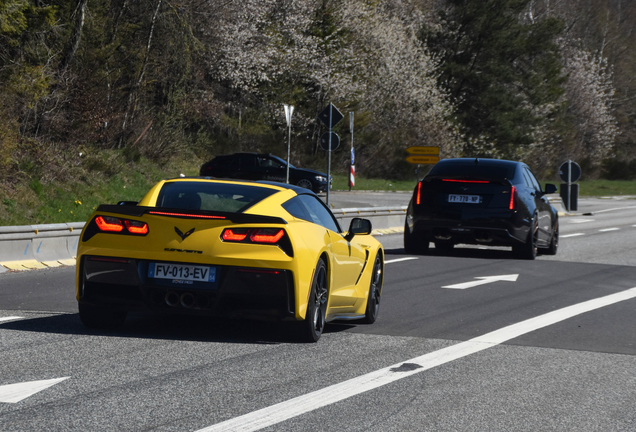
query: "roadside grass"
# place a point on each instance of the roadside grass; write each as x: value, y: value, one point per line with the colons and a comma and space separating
x: 75, y: 200
x: 341, y: 182
x: 598, y: 188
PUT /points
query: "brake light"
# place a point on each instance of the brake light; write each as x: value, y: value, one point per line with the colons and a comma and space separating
x: 136, y: 227
x: 267, y: 235
x: 235, y: 235
x: 419, y: 193
x: 109, y: 224
x: 465, y: 181
x: 200, y: 216
x: 513, y: 199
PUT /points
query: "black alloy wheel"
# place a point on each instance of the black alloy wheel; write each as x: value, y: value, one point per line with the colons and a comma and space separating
x: 314, y: 323
x: 305, y: 183
x: 375, y: 291
x: 554, y: 241
x: 528, y: 250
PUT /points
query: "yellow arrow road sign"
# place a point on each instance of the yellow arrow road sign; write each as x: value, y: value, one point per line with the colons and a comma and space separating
x: 422, y: 160
x: 423, y: 150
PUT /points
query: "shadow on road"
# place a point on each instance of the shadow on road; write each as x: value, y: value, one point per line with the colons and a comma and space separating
x: 173, y: 327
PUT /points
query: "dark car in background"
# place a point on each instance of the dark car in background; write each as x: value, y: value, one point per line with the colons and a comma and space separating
x: 255, y: 166
x: 485, y: 202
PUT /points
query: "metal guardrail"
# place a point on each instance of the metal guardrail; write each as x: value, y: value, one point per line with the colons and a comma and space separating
x: 52, y: 245
x: 38, y: 246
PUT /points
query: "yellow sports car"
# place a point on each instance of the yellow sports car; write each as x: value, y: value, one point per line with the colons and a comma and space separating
x: 236, y: 249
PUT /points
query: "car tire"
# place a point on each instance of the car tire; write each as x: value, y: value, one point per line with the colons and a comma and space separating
x: 554, y: 241
x: 100, y: 317
x: 305, y: 183
x: 314, y: 324
x: 375, y: 291
x: 528, y: 250
x: 444, y: 247
x: 413, y: 243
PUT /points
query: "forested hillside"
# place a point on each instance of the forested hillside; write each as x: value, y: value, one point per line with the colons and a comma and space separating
x: 84, y: 83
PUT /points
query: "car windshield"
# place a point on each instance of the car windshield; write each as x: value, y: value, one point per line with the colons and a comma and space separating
x: 474, y: 170
x: 211, y: 196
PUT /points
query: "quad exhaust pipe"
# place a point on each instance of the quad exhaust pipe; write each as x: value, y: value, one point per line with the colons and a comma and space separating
x: 186, y: 300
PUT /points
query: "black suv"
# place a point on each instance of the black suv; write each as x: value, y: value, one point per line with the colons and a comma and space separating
x: 482, y: 201
x: 254, y: 166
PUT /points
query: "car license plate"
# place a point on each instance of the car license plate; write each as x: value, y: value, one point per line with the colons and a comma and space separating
x: 469, y: 199
x: 182, y: 272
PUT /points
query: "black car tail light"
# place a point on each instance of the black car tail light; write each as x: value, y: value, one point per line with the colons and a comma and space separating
x: 513, y: 198
x: 418, y: 198
x: 269, y: 236
x: 136, y: 227
x: 235, y: 234
x: 110, y: 224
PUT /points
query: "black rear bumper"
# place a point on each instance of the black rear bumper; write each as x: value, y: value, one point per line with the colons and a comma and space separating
x: 239, y: 292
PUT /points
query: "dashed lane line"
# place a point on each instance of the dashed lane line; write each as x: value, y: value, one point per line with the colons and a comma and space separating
x: 608, y: 229
x: 571, y: 235
x: 329, y: 395
x: 400, y: 259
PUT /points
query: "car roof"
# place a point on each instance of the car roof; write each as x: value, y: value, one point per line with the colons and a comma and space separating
x: 266, y: 183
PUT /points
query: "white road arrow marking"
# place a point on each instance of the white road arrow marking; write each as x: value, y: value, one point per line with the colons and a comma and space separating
x: 14, y: 393
x: 483, y: 280
x: 10, y: 318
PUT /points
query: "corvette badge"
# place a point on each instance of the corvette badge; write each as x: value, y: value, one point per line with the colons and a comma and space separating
x: 183, y: 235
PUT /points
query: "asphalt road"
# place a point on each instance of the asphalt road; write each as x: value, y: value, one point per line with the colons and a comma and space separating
x: 551, y: 348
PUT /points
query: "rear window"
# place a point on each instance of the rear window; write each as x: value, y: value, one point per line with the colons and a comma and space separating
x: 211, y: 196
x: 474, y: 170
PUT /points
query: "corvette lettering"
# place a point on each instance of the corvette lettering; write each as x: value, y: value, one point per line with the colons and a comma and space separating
x: 183, y: 250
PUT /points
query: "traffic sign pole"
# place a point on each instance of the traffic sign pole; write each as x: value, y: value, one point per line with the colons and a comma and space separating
x: 352, y: 172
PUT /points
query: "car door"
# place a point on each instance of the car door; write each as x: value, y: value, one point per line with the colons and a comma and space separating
x: 248, y: 167
x: 348, y: 257
x: 272, y: 169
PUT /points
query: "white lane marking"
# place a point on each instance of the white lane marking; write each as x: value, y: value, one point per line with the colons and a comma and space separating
x: 14, y: 393
x: 329, y: 395
x: 571, y: 235
x: 614, y: 209
x: 608, y: 229
x: 483, y: 280
x: 400, y: 259
x: 9, y: 318
x: 578, y: 221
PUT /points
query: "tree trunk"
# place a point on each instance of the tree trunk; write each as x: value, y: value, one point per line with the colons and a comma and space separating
x: 76, y: 35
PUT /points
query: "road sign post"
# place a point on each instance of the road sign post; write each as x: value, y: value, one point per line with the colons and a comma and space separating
x: 352, y: 172
x: 289, y: 110
x: 330, y: 116
x: 570, y: 172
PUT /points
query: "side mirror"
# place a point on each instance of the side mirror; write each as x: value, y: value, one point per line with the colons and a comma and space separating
x: 358, y: 226
x: 550, y: 188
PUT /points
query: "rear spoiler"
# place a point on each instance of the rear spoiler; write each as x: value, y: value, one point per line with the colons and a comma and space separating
x: 138, y: 211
